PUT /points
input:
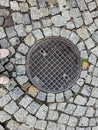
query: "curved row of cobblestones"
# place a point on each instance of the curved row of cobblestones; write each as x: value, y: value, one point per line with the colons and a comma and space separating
x: 23, y: 106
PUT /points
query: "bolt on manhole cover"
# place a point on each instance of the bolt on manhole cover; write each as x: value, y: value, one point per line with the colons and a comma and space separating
x: 53, y: 64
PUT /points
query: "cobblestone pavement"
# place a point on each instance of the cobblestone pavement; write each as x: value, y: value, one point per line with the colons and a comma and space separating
x: 23, y: 106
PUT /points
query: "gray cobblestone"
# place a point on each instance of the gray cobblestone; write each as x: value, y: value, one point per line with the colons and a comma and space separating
x: 38, y: 34
x: 94, y: 81
x: 92, y: 59
x: 86, y: 90
x: 68, y: 94
x: 80, y: 111
x: 41, y: 96
x: 90, y: 112
x: 20, y: 115
x: 42, y: 112
x: 4, y: 100
x: 87, y: 18
x: 60, y: 97
x: 52, y: 115
x: 16, y: 93
x: 50, y: 97
x: 11, y: 108
x: 2, y: 33
x: 30, y: 120
x: 63, y: 119
x: 72, y: 121
x: 61, y: 106
x: 51, y: 126
x: 82, y: 5
x: 80, y: 100
x: 89, y: 43
x: 70, y: 108
x: 94, y: 92
x: 23, y: 48
x: 4, y: 116
x: 53, y: 106
x: 12, y: 125
x: 25, y: 101
x: 74, y: 38
x: 40, y: 124
x: 83, y: 121
x: 20, y: 59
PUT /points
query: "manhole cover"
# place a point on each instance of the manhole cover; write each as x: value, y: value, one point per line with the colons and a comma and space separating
x: 53, y: 64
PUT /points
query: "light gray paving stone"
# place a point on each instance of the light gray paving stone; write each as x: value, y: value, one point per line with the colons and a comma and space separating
x: 82, y: 5
x: 95, y: 51
x: 95, y: 92
x: 92, y: 6
x: 74, y: 12
x: 33, y: 107
x: 50, y: 97
x: 4, y: 12
x: 14, y: 5
x: 84, y: 54
x: 83, y: 121
x: 95, y: 38
x: 4, y: 3
x: 83, y: 33
x: 47, y: 22
x: 60, y: 97
x: 4, y: 100
x: 96, y: 114
x: 66, y: 15
x: 52, y: 115
x: 3, y: 91
x: 80, y: 100
x: 1, y: 20
x: 12, y: 60
x: 32, y: 2
x: 74, y: 38
x: 70, y: 25
x: 88, y: 79
x: 4, y: 43
x: 91, y: 69
x: 88, y: 1
x: 53, y: 106
x: 38, y: 34
x: 41, y: 96
x: 12, y: 51
x: 63, y: 119
x: 96, y: 103
x: 86, y: 90
x: 17, y: 17
x: 68, y: 94
x: 12, y: 125
x: 90, y: 112
x: 94, y: 81
x: 2, y: 33
x: 36, y: 24
x: 51, y: 126
x: 70, y: 108
x: 30, y: 121
x: 78, y: 22
x: 29, y: 40
x: 62, y: 4
x: 28, y: 28
x: 61, y: 106
x: 1, y: 68
x: 1, y: 127
x: 26, y: 19
x: 54, y: 10
x: 20, y: 30
x: 59, y: 18
x: 24, y: 127
x: 55, y: 31
x: 4, y: 116
x: 81, y: 46
x: 91, y: 101
x: 25, y: 101
x: 80, y: 111
x: 22, y: 79
x: 70, y: 128
x: 87, y: 18
x: 75, y: 88
x: 10, y: 32
x: 95, y: 72
x: 14, y: 41
x: 96, y: 22
x: 83, y: 74
x: 11, y: 108
x: 65, y: 33
x: 47, y: 31
x: 42, y: 3
x: 20, y: 59
x: 24, y: 7
x: 92, y: 28
x: 60, y: 127
x: 80, y: 128
x: 42, y: 112
x: 89, y: 43
x: 92, y: 122
x: 16, y: 93
x: 95, y: 128
x: 43, y: 12
x: 72, y: 3
x: 23, y: 48
x: 20, y: 69
x: 72, y: 121
x: 35, y: 15
x: 9, y: 66
x: 40, y: 124
x: 20, y: 115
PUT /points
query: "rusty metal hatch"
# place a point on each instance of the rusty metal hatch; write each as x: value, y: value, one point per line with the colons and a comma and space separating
x: 53, y: 64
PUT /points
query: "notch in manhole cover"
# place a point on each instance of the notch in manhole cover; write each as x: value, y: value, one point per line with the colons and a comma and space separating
x: 53, y: 64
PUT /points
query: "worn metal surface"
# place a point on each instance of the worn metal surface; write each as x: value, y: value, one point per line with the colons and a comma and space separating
x: 53, y: 64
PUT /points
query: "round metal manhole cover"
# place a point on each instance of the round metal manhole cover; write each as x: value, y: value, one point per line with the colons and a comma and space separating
x: 53, y: 64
